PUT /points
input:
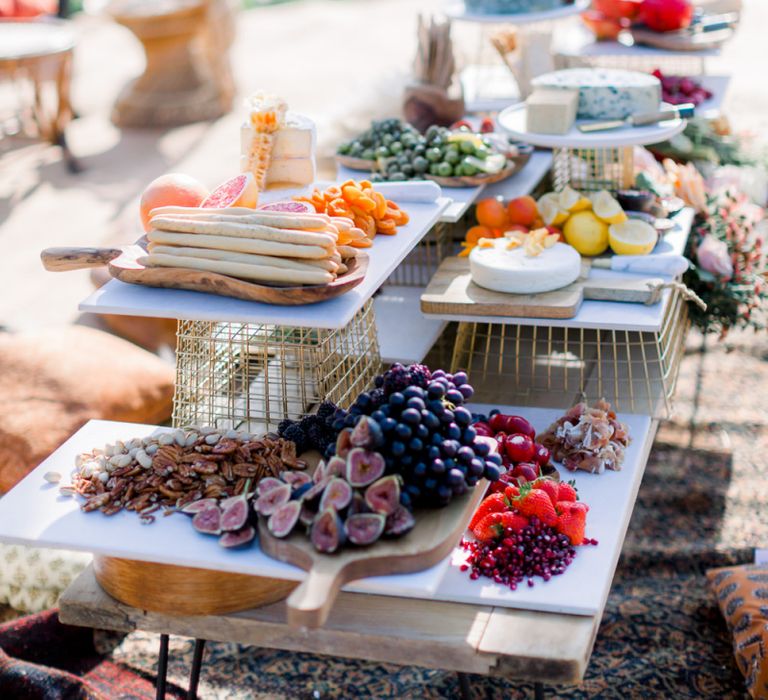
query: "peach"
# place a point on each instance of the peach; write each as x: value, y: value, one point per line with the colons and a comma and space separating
x: 172, y: 189
x: 491, y: 212
x: 617, y: 9
x: 522, y: 211
x: 604, y: 28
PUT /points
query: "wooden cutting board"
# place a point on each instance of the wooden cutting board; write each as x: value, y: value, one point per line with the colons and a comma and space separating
x: 451, y: 291
x: 123, y: 265
x: 435, y: 535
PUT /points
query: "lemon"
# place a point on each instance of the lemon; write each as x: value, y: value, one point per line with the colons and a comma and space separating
x: 633, y: 237
x: 585, y: 232
x: 573, y: 201
x: 550, y: 211
x: 607, y: 208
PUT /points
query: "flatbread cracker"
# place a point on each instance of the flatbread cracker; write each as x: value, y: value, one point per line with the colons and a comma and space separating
x: 247, y: 258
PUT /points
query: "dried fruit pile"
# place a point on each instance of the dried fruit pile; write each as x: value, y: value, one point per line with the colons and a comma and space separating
x: 348, y: 498
x: 523, y: 457
x: 525, y: 532
x: 588, y: 438
x: 424, y: 433
x: 200, y: 472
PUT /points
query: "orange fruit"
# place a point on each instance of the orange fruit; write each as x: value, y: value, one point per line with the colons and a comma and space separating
x: 491, y: 212
x: 523, y: 211
x: 477, y: 232
x: 173, y: 189
x: 238, y: 191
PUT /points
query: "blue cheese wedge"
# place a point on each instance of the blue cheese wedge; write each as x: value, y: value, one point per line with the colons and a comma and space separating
x: 606, y: 93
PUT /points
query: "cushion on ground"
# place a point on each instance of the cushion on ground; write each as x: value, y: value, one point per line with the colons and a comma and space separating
x: 742, y: 594
x: 54, y: 381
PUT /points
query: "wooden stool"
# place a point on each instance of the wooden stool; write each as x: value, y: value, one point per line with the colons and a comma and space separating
x: 40, y: 53
x: 188, y: 76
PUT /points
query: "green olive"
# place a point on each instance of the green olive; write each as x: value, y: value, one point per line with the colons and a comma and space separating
x: 444, y: 169
x: 433, y: 155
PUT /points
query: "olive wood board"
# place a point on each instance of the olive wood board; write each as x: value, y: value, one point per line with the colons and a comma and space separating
x: 434, y: 536
x: 685, y: 40
x: 123, y: 265
x: 451, y: 291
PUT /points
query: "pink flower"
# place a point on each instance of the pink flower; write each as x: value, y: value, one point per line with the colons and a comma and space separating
x: 713, y: 257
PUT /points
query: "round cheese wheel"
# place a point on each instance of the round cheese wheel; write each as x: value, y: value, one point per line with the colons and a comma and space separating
x: 514, y: 272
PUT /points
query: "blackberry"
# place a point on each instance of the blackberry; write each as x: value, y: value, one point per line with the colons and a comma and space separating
x: 396, y: 378
x: 326, y: 410
x: 295, y: 434
x: 283, y: 425
x: 307, y: 422
x: 420, y: 375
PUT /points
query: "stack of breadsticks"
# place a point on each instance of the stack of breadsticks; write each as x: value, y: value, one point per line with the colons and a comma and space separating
x: 271, y: 247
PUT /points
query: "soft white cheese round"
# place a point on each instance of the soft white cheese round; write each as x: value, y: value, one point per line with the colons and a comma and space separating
x: 514, y: 272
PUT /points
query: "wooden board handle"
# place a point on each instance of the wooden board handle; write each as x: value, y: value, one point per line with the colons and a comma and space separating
x: 310, y: 604
x: 62, y: 259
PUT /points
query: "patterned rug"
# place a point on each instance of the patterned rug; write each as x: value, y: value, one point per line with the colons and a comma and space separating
x: 661, y: 636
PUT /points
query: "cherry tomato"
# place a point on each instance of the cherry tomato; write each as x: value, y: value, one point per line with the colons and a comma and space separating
x: 519, y: 448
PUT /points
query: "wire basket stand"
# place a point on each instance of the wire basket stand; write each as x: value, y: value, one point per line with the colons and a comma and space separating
x: 252, y: 376
x: 422, y: 262
x: 592, y: 169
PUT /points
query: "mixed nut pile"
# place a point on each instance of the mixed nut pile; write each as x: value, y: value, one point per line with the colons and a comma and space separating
x: 177, y: 469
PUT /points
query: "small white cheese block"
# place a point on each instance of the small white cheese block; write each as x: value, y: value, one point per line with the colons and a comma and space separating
x: 514, y: 272
x: 606, y: 93
x: 294, y: 140
x: 291, y: 171
x: 551, y: 111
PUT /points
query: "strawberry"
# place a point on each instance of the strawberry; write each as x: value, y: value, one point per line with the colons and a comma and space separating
x: 501, y: 483
x: 487, y: 126
x: 567, y: 491
x: 572, y: 521
x: 550, y: 487
x: 493, y: 525
x: 495, y: 503
x: 535, y: 502
x: 511, y: 492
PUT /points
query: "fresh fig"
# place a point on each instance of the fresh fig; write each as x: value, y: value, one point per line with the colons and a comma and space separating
x: 197, y: 506
x: 284, y: 519
x: 364, y: 467
x: 298, y: 491
x: 338, y: 494
x: 367, y: 434
x: 319, y: 473
x: 235, y: 514
x: 267, y: 484
x: 208, y: 521
x: 316, y: 490
x: 295, y: 479
x: 336, y: 466
x: 271, y: 500
x: 383, y: 496
x: 327, y: 532
x: 399, y: 522
x: 307, y: 515
x: 358, y: 505
x: 344, y: 443
x: 238, y: 538
x: 364, y: 528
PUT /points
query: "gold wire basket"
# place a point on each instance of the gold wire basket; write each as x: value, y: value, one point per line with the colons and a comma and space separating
x: 553, y: 367
x: 591, y: 169
x: 422, y: 262
x: 252, y: 376
x: 669, y: 64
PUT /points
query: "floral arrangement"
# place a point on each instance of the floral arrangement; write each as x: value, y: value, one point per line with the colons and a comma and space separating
x: 728, y: 265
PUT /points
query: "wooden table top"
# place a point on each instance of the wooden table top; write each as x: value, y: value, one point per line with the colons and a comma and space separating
x: 533, y: 646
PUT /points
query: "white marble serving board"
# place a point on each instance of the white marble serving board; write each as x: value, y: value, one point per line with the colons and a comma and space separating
x: 34, y: 513
x: 584, y: 587
x: 385, y: 255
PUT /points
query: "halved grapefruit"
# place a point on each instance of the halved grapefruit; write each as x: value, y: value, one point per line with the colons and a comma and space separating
x: 238, y: 191
x: 289, y: 206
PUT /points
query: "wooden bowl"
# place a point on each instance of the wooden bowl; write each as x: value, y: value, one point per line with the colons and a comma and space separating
x: 352, y: 163
x: 514, y: 165
x: 180, y: 590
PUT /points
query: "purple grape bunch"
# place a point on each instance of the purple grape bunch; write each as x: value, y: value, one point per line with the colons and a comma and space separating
x: 427, y: 433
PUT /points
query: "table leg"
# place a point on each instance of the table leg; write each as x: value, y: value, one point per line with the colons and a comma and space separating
x: 465, y: 692
x: 538, y: 691
x: 197, y: 662
x: 162, y: 668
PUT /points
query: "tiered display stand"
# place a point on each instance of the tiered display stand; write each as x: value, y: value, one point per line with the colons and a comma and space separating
x: 484, y: 73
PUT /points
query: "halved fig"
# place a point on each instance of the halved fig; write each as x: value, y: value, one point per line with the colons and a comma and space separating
x: 367, y: 433
x: 383, y: 496
x: 358, y: 504
x: 344, y: 443
x: 316, y: 490
x: 234, y: 515
x: 197, y: 506
x: 298, y: 491
x: 319, y: 473
x: 327, y: 533
x: 208, y: 521
x: 284, y: 519
x: 238, y: 538
x: 295, y: 479
x: 267, y: 484
x: 399, y: 522
x: 307, y: 515
x: 338, y: 494
x: 272, y: 500
x: 364, y: 528
x: 336, y: 466
x: 364, y: 467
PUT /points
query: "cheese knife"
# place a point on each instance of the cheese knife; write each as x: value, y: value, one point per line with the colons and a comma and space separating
x: 668, y: 265
x: 683, y: 111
